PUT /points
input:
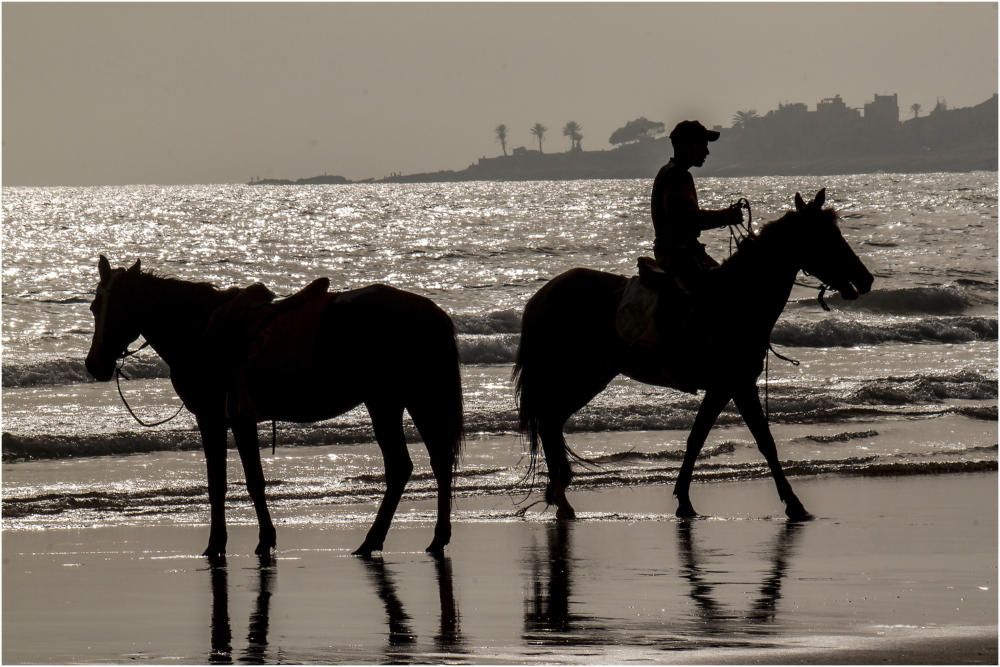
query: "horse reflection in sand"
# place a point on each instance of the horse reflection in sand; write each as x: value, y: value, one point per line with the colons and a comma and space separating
x: 237, y: 359
x: 401, y: 636
x: 550, y: 616
x: 255, y: 652
x: 713, y: 619
x: 570, y: 349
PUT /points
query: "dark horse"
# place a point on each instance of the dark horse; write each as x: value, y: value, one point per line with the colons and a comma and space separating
x: 570, y: 349
x: 389, y: 349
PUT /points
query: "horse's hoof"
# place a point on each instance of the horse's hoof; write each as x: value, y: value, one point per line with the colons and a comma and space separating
x: 264, y: 549
x: 365, y: 550
x: 797, y: 513
x: 215, y: 556
x: 566, y: 513
x: 435, y: 549
x: 686, y: 512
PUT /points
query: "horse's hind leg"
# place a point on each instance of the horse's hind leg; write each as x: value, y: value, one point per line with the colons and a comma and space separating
x: 388, y: 424
x: 709, y: 411
x: 248, y: 444
x: 554, y: 445
x: 747, y: 400
x: 440, y: 447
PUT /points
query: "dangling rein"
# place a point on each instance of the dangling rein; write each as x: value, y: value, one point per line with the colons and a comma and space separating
x: 119, y: 374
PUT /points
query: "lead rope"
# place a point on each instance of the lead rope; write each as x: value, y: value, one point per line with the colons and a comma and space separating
x: 119, y: 374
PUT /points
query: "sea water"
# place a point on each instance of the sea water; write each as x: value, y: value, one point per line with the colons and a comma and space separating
x: 901, y: 381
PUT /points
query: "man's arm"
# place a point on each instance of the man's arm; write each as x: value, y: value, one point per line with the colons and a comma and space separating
x: 731, y: 215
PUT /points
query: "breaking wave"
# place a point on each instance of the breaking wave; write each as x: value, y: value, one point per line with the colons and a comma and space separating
x: 834, y: 332
x: 499, y: 347
x: 913, y: 396
x: 945, y: 300
x: 658, y: 469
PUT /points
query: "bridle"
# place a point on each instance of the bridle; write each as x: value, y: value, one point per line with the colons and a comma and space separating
x: 743, y: 231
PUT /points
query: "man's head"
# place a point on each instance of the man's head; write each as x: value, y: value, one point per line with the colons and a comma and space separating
x: 690, y: 139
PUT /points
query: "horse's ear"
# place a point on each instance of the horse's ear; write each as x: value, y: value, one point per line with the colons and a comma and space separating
x: 820, y: 198
x: 135, y: 268
x: 103, y: 268
x: 799, y: 204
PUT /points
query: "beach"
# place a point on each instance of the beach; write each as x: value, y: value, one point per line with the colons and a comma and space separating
x: 894, y: 569
x: 886, y: 428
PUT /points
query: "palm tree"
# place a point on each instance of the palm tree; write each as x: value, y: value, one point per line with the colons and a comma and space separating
x: 502, y: 137
x: 572, y: 130
x: 740, y: 118
x: 539, y: 131
x: 915, y: 108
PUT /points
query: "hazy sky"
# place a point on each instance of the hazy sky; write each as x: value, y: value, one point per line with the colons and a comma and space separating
x: 217, y: 93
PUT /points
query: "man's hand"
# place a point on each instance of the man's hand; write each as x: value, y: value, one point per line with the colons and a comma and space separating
x: 735, y: 216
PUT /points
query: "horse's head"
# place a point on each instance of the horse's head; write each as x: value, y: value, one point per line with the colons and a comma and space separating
x: 825, y: 252
x: 115, y: 324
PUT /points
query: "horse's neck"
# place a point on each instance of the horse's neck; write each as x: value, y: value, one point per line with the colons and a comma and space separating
x: 764, y: 277
x: 174, y: 314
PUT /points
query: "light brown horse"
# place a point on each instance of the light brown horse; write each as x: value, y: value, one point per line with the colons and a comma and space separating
x: 570, y: 349
x: 388, y: 349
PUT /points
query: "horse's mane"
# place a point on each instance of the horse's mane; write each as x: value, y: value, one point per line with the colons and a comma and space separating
x: 776, y: 232
x: 160, y: 285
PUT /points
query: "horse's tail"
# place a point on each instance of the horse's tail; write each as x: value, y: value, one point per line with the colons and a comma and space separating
x: 526, y: 380
x: 569, y: 320
x: 437, y: 405
x: 451, y: 392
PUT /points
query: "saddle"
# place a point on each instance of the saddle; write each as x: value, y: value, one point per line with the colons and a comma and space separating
x: 266, y: 339
x: 646, y: 298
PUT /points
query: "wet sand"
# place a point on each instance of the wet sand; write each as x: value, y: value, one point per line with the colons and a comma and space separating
x: 894, y: 570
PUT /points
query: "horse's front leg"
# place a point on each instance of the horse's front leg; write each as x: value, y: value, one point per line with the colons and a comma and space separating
x: 711, y: 406
x: 213, y: 440
x: 747, y: 399
x: 248, y: 444
x: 387, y: 421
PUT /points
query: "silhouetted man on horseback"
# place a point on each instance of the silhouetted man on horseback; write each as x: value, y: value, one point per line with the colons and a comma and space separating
x: 677, y: 219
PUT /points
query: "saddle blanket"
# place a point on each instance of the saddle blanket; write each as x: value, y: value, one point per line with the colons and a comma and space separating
x: 635, y: 318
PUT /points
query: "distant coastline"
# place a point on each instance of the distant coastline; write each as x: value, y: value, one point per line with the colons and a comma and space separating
x: 788, y: 141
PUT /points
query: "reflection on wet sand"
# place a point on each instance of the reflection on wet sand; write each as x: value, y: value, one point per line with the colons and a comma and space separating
x: 401, y: 635
x: 712, y: 618
x: 449, y: 636
x: 548, y: 606
x: 255, y: 652
x: 221, y: 632
x: 551, y: 615
x: 547, y: 615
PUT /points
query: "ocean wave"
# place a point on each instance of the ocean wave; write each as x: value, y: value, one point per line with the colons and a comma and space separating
x: 833, y: 332
x: 18, y: 447
x: 485, y: 342
x: 842, y: 437
x: 925, y: 389
x: 164, y: 500
x: 488, y: 349
x: 943, y: 300
x: 918, y: 395
x: 74, y: 371
x: 498, y: 322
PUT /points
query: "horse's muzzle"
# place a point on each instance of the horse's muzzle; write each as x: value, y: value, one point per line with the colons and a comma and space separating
x: 98, y: 371
x: 864, y: 283
x: 859, y: 283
